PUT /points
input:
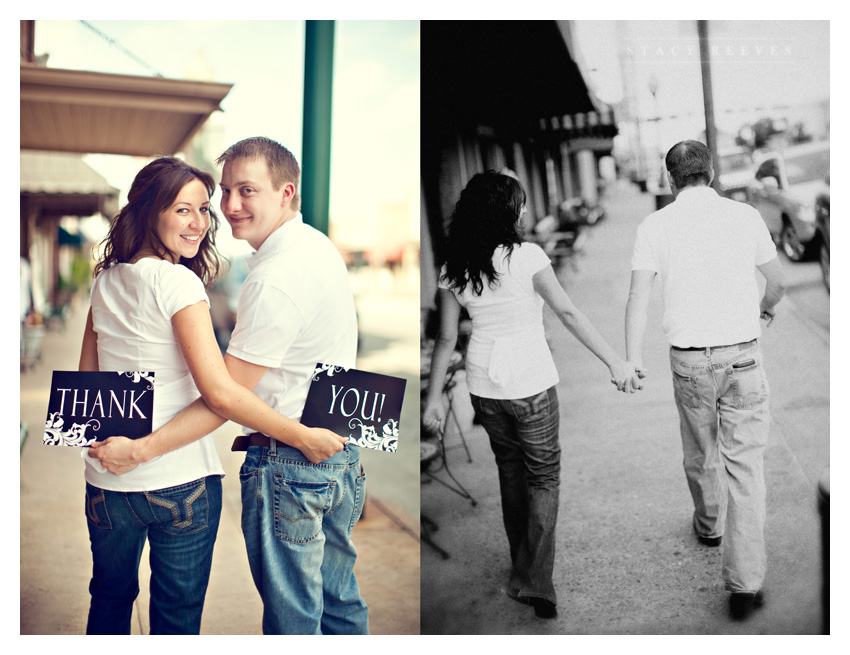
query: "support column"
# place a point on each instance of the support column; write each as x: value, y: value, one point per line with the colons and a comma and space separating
x: 318, y: 93
x: 587, y: 175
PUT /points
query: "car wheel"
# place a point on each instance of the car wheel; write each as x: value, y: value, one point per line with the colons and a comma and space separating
x: 824, y: 264
x: 795, y: 249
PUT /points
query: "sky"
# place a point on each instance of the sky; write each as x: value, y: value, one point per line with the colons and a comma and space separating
x: 375, y: 123
x: 758, y: 67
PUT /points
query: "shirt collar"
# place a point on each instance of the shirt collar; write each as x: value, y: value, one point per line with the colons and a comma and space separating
x: 696, y: 194
x: 282, y: 238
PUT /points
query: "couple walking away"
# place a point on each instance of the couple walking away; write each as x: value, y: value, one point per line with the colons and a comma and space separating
x: 704, y: 250
x: 302, y: 488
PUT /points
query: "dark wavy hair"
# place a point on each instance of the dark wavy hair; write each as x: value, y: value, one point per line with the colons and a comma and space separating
x: 485, y: 217
x: 154, y: 190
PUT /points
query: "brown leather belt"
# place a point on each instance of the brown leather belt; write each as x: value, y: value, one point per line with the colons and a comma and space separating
x: 740, y: 346
x: 243, y: 442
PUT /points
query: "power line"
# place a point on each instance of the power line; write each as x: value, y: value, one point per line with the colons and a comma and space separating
x: 115, y: 43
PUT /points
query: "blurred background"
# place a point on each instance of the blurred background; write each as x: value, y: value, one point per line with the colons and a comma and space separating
x: 99, y: 99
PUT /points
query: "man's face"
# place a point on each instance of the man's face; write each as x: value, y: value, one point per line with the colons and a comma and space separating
x: 250, y: 202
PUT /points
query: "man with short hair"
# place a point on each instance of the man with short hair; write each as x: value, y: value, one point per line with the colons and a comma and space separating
x: 295, y: 310
x: 704, y: 248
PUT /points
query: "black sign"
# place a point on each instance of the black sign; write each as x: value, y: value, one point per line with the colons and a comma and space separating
x: 364, y: 406
x: 88, y: 406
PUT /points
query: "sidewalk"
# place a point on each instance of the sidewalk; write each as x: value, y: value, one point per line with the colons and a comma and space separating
x: 627, y: 559
x: 56, y: 560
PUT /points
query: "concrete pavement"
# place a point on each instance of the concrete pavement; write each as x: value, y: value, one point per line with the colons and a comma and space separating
x: 627, y: 560
x: 55, y: 560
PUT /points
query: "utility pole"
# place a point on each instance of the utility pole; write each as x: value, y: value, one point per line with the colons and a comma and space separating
x: 318, y: 92
x: 708, y: 98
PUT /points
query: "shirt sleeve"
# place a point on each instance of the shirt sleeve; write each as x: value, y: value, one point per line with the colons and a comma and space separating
x: 179, y: 288
x: 535, y: 257
x: 765, y: 248
x: 267, y: 323
x: 643, y: 256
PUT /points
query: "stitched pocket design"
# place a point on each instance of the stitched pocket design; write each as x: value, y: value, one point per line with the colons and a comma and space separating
x: 299, y: 508
x: 185, y: 506
x: 96, y: 513
x: 749, y: 383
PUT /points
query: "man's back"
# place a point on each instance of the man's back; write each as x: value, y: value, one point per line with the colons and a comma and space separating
x: 705, y: 249
x: 295, y: 310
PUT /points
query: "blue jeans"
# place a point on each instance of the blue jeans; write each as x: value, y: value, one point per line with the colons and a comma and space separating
x: 297, y: 519
x: 181, y: 524
x: 722, y: 398
x: 524, y: 438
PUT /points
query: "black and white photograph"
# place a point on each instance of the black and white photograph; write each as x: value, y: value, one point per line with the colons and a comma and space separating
x: 625, y: 294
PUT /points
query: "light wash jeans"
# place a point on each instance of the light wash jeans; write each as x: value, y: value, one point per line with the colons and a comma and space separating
x: 181, y: 524
x: 722, y: 397
x: 297, y: 520
x: 524, y: 438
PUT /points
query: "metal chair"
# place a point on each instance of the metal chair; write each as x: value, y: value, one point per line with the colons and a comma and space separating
x: 432, y: 453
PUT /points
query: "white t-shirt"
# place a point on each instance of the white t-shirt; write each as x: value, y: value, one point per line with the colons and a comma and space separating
x: 508, y: 356
x: 704, y: 249
x: 295, y: 310
x: 132, y: 306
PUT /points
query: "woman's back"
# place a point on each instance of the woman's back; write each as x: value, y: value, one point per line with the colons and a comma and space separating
x: 132, y: 307
x: 508, y: 356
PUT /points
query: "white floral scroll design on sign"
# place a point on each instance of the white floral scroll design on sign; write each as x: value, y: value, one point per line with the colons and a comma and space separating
x: 369, y: 437
x: 139, y: 375
x: 56, y: 433
x: 330, y: 369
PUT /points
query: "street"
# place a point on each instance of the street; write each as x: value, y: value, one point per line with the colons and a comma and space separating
x: 807, y: 291
x: 627, y: 561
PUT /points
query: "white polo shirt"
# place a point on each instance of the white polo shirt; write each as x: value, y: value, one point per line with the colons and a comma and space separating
x: 704, y: 249
x: 295, y: 310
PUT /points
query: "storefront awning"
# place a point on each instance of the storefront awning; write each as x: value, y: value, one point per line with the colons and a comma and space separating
x: 506, y: 74
x: 64, y: 185
x: 87, y: 112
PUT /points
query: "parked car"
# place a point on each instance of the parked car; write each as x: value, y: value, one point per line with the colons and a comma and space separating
x: 822, y: 222
x: 736, y: 173
x: 784, y: 190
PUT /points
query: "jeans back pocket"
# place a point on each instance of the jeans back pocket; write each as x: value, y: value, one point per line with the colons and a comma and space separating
x: 96, y: 513
x: 180, y: 509
x: 685, y: 390
x: 299, y: 508
x: 749, y: 383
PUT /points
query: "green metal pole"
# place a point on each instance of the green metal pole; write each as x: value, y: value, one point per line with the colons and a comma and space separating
x: 318, y: 91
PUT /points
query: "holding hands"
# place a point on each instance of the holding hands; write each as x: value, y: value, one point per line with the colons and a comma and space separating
x: 627, y: 376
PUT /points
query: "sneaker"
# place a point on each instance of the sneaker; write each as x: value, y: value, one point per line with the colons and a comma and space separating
x: 742, y: 604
